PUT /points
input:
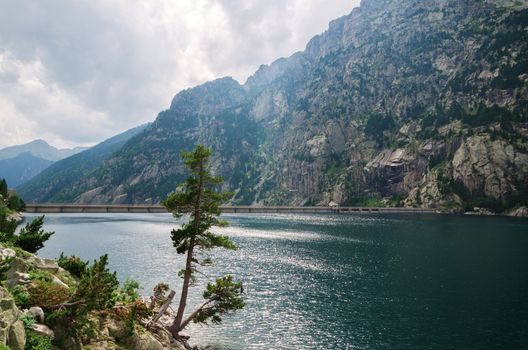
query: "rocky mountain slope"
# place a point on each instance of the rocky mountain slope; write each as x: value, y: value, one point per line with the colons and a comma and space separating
x: 415, y: 102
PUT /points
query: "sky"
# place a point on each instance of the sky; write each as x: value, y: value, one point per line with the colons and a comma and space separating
x: 75, y: 72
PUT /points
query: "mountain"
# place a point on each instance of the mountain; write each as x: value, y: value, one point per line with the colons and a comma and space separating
x: 40, y: 149
x: 20, y: 163
x: 21, y: 168
x: 60, y: 179
x: 401, y: 102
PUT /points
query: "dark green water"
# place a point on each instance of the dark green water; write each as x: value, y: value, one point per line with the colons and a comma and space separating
x: 337, y: 282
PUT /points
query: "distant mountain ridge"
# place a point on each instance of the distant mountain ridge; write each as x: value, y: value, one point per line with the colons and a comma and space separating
x: 408, y: 102
x: 22, y: 168
x: 40, y: 149
x: 21, y: 163
x: 51, y: 184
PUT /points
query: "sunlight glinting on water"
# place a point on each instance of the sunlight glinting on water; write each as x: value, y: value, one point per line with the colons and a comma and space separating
x: 332, y: 281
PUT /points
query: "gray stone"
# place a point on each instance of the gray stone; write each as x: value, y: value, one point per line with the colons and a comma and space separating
x: 43, y: 264
x: 6, y: 253
x: 36, y: 312
x: 144, y: 341
x: 42, y: 330
x: 17, y: 336
x: 57, y: 281
x: 16, y: 278
x: 9, y: 322
x: 520, y: 212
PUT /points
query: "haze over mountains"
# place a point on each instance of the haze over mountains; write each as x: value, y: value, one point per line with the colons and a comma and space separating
x: 418, y: 103
x: 20, y: 163
x: 53, y: 184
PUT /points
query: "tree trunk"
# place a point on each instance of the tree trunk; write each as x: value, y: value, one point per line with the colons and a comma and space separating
x: 164, y: 307
x: 175, y: 328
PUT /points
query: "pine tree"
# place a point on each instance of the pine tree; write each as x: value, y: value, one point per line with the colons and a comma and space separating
x: 198, y: 197
x: 3, y: 189
x: 32, y: 237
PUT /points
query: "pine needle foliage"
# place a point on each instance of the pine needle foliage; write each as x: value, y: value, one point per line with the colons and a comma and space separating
x: 198, y: 196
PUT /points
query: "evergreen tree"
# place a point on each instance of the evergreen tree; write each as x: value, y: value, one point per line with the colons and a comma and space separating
x: 198, y: 197
x: 3, y: 188
x: 32, y: 237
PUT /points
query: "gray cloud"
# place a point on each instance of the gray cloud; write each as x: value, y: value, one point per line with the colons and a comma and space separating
x: 76, y: 72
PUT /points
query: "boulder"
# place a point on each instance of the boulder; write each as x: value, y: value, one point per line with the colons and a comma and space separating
x: 12, y: 331
x: 36, y: 312
x: 519, y: 212
x: 42, y: 330
x: 17, y: 265
x: 144, y: 341
x: 480, y: 211
x: 43, y: 264
x: 116, y: 329
x: 16, y: 278
x: 6, y: 253
x: 17, y: 336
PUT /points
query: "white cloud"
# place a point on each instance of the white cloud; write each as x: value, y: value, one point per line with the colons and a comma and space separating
x: 77, y: 72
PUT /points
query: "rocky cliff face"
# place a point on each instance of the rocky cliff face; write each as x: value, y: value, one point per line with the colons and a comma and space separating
x: 423, y: 102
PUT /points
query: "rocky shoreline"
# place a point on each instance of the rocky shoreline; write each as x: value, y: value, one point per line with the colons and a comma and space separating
x: 22, y: 273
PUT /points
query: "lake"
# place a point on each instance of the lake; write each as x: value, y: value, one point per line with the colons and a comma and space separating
x: 349, y: 281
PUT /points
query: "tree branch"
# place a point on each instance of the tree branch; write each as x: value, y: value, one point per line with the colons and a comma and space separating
x: 163, y: 308
x: 194, y: 313
x: 60, y: 306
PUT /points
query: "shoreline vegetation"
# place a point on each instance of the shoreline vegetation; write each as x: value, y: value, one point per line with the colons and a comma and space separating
x: 70, y: 304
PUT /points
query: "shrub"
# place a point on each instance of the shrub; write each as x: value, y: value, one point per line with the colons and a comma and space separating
x: 27, y: 320
x: 14, y: 202
x: 159, y: 293
x: 377, y: 124
x: 128, y: 293
x: 40, y: 275
x: 37, y: 342
x: 135, y: 312
x: 5, y: 265
x: 7, y: 227
x: 31, y: 238
x: 72, y: 264
x: 47, y: 294
x: 97, y: 286
x: 20, y: 295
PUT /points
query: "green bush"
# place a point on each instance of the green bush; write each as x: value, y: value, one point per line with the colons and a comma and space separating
x: 27, y: 320
x: 128, y: 293
x: 97, y: 286
x: 40, y: 275
x: 3, y: 188
x: 20, y: 295
x: 5, y: 265
x: 7, y: 227
x: 37, y: 342
x: 377, y: 124
x: 47, y: 294
x: 72, y: 264
x: 135, y: 312
x: 31, y: 238
x: 14, y: 202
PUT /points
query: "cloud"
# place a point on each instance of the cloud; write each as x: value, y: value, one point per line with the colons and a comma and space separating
x: 75, y: 72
